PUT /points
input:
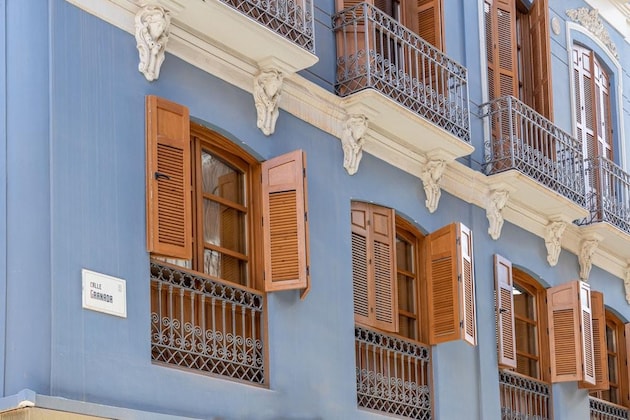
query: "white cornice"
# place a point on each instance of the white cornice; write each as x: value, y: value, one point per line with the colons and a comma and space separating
x: 328, y: 112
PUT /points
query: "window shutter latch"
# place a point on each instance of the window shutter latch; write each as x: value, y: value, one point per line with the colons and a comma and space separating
x: 160, y: 175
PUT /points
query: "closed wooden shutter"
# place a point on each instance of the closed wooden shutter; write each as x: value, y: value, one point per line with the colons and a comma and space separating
x: 428, y: 21
x: 600, y: 350
x: 285, y: 223
x: 584, y: 100
x: 169, y: 212
x: 501, y: 47
x: 602, y: 109
x: 450, y: 285
x: 504, y: 286
x: 625, y: 375
x: 570, y: 333
x: 373, y: 266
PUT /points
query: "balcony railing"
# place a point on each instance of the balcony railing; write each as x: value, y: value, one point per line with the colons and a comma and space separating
x: 375, y: 51
x: 392, y: 374
x: 604, y: 410
x: 206, y: 325
x: 524, y: 140
x: 523, y: 398
x: 293, y: 19
x: 608, y: 193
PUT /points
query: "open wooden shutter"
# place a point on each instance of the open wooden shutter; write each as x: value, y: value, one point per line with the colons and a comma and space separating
x: 427, y: 21
x: 501, y: 47
x: 626, y: 389
x: 169, y: 211
x: 285, y: 223
x: 571, y: 333
x: 504, y: 286
x: 373, y: 266
x: 600, y: 350
x: 540, y: 60
x: 450, y: 285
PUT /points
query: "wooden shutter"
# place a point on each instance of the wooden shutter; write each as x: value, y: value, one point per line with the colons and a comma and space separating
x: 540, y: 59
x: 500, y: 16
x: 373, y: 266
x: 626, y: 373
x: 504, y: 285
x: 285, y: 224
x: 426, y: 20
x: 602, y: 109
x: 570, y: 333
x: 600, y: 350
x: 169, y: 211
x: 450, y: 285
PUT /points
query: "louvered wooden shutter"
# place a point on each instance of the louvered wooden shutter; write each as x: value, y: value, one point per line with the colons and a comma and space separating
x: 585, y: 100
x: 501, y: 47
x: 570, y: 333
x: 285, y: 224
x: 427, y: 21
x: 504, y: 285
x: 602, y: 109
x: 540, y: 60
x: 373, y: 266
x: 600, y: 350
x: 169, y: 212
x: 626, y: 334
x: 450, y: 285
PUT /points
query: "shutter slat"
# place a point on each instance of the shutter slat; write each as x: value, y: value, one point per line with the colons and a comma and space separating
x: 285, y: 227
x: 169, y: 211
x: 504, y: 285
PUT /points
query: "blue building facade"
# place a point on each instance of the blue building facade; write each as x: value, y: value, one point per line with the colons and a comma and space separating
x: 452, y: 241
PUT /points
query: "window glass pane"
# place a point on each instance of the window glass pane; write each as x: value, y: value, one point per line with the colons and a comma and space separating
x: 223, y: 226
x: 525, y: 337
x: 404, y: 255
x: 611, y: 342
x: 612, y: 368
x: 524, y: 303
x: 406, y: 301
x: 407, y: 327
x: 527, y: 366
x: 220, y: 179
x: 224, y: 267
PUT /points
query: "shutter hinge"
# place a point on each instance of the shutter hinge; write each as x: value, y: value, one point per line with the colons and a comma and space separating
x: 306, y: 216
x: 308, y: 270
x: 303, y: 172
x: 461, y: 324
x: 458, y: 240
x: 262, y: 221
x: 459, y: 278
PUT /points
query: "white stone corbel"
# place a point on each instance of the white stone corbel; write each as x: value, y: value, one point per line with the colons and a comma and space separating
x: 587, y: 249
x: 152, y: 25
x: 267, y: 91
x: 430, y: 174
x: 352, y: 140
x: 496, y: 201
x: 553, y: 240
x: 626, y: 282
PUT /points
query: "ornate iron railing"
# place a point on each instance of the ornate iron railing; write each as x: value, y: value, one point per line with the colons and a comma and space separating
x: 524, y: 140
x: 207, y: 325
x: 392, y: 374
x: 293, y: 19
x: 608, y: 193
x: 375, y: 51
x: 523, y: 398
x: 604, y: 410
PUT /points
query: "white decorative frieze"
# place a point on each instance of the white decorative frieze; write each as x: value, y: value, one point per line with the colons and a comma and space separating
x: 267, y: 90
x: 589, y: 18
x: 152, y: 24
x: 430, y: 174
x: 587, y: 249
x: 553, y: 240
x: 352, y: 140
x: 497, y: 200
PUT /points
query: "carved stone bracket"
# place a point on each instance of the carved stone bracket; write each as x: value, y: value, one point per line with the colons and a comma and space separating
x: 626, y: 282
x: 497, y: 200
x: 430, y: 174
x: 553, y: 240
x: 152, y: 24
x: 352, y: 140
x: 591, y: 21
x: 587, y: 249
x: 267, y: 90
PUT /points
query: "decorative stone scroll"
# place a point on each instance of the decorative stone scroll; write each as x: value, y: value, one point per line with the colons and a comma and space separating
x: 497, y: 200
x: 553, y: 240
x: 267, y: 90
x: 430, y: 174
x: 626, y: 283
x: 591, y: 21
x: 587, y: 249
x: 352, y: 140
x: 152, y: 24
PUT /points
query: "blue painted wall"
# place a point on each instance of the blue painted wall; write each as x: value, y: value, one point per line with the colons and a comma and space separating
x: 75, y: 199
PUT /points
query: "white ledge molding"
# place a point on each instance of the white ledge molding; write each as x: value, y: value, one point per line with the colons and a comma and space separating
x: 587, y: 250
x: 152, y: 24
x: 352, y: 141
x: 553, y: 240
x: 497, y: 199
x: 430, y: 174
x: 531, y: 206
x: 267, y: 91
